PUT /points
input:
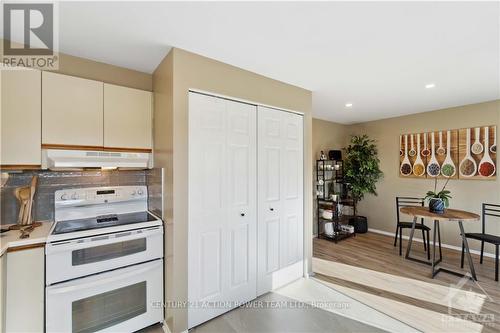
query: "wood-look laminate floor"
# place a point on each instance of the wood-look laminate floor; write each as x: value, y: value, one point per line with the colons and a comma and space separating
x: 369, y: 269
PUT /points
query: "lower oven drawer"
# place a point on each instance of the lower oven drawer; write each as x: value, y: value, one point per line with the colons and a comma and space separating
x: 123, y: 300
x: 76, y: 258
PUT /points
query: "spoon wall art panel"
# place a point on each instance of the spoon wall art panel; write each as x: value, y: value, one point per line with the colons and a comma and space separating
x: 449, y: 154
x: 478, y: 153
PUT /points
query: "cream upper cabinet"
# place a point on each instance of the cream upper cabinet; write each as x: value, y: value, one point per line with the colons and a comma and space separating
x: 20, y: 117
x: 72, y: 111
x: 127, y: 117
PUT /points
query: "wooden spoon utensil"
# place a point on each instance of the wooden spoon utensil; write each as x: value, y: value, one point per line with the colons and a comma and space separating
x: 34, y: 182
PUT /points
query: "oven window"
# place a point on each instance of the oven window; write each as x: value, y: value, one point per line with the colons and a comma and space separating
x: 98, y: 312
x: 107, y: 252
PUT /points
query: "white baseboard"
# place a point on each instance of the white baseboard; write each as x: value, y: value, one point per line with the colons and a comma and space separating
x: 453, y: 247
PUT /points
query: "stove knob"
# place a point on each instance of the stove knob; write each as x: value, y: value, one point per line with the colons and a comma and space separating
x: 74, y: 196
x: 64, y: 196
x: 133, y: 192
x: 140, y: 192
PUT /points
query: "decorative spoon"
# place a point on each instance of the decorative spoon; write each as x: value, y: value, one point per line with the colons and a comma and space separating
x: 418, y: 166
x: 477, y: 147
x: 433, y: 168
x: 448, y: 168
x: 400, y: 145
x: 425, y: 152
x: 493, y: 148
x: 405, y: 165
x: 486, y: 166
x: 441, y: 151
x: 468, y: 159
x: 412, y: 151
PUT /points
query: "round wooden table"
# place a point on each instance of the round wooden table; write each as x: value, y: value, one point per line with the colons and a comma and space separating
x: 450, y: 215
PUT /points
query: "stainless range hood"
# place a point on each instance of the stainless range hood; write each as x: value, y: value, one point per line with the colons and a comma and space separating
x: 80, y: 159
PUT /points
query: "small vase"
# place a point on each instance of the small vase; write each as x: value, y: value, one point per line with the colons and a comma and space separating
x: 436, y: 205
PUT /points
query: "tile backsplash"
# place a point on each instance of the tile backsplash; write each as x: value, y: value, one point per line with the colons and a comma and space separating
x: 51, y: 181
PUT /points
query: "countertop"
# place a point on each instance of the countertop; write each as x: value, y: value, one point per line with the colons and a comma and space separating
x: 10, y: 239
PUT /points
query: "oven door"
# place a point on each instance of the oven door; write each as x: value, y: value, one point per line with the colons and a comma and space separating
x: 66, y: 260
x: 123, y: 300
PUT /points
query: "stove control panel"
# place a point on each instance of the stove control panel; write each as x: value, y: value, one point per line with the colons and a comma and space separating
x: 100, y: 195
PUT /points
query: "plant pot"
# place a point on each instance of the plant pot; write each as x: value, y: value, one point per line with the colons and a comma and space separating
x: 436, y: 205
x: 359, y: 223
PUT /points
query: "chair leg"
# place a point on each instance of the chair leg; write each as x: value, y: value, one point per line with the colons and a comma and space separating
x: 439, y: 238
x: 482, y: 250
x: 462, y: 258
x: 423, y: 238
x: 428, y: 246
x: 496, y: 262
x: 400, y: 241
x: 396, y: 236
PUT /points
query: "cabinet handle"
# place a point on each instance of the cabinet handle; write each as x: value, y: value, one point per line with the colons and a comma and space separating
x: 271, y: 209
x: 242, y: 214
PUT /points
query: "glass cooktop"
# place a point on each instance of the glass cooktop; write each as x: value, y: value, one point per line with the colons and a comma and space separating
x: 103, y: 221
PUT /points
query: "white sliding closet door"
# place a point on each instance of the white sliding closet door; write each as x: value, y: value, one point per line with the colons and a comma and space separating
x: 280, y: 198
x: 222, y: 255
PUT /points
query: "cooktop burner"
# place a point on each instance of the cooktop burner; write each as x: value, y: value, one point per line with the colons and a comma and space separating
x: 103, y: 221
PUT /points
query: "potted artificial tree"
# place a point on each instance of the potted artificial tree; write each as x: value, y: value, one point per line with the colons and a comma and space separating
x: 361, y: 173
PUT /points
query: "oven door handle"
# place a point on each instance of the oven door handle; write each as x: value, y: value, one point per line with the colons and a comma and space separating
x: 52, y: 248
x: 111, y: 277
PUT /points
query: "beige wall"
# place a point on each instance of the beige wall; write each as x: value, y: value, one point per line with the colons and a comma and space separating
x: 95, y: 70
x: 191, y: 71
x: 326, y: 136
x: 467, y: 194
x: 162, y: 150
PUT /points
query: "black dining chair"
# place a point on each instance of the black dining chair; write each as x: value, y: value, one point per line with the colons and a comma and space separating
x: 487, y: 210
x: 400, y: 225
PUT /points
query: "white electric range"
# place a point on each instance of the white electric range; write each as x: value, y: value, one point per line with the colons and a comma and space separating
x: 104, y: 261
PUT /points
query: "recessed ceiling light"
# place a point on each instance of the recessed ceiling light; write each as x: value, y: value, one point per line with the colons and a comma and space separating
x: 430, y: 85
x: 348, y: 105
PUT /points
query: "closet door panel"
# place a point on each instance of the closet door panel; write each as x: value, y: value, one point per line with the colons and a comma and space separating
x: 293, y: 201
x: 241, y: 201
x: 269, y: 196
x: 222, y: 204
x: 207, y: 204
x: 280, y: 199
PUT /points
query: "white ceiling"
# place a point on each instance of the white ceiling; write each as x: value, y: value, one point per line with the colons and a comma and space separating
x: 377, y: 56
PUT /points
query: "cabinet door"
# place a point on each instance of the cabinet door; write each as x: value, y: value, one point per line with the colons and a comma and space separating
x: 21, y: 117
x: 72, y: 111
x: 127, y: 117
x: 280, y: 198
x: 222, y: 205
x: 25, y: 291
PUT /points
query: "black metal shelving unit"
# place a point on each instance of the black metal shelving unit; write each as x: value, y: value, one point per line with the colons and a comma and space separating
x: 330, y: 175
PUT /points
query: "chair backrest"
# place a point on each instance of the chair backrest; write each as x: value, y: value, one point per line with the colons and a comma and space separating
x: 407, y: 201
x: 489, y: 210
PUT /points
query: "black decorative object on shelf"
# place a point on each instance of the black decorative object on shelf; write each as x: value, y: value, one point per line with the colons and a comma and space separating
x: 335, y: 155
x: 332, y: 196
